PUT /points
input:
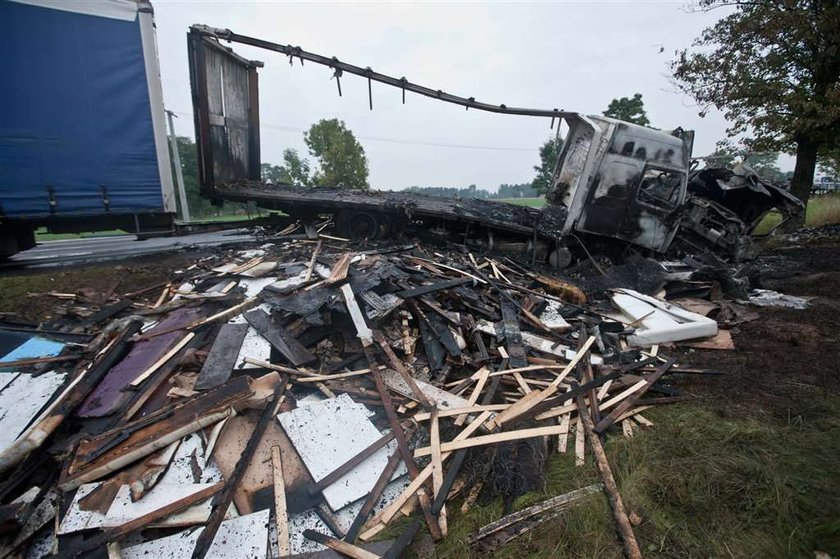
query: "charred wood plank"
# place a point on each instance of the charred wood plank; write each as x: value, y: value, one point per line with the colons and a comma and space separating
x: 373, y: 496
x: 513, y: 335
x: 437, y: 286
x: 105, y: 313
x: 279, y: 338
x: 100, y: 541
x: 631, y: 546
x: 345, y: 468
x: 634, y: 398
x: 221, y: 360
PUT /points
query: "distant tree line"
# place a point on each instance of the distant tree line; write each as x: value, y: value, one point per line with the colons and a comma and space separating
x: 525, y: 190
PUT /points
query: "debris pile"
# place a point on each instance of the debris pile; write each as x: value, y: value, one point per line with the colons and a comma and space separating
x: 305, y: 395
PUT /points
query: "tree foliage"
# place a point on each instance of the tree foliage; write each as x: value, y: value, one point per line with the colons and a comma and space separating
x: 628, y: 109
x: 294, y: 171
x: 341, y: 158
x: 773, y: 68
x: 198, y: 204
x: 524, y: 190
x: 766, y: 164
x: 549, y: 152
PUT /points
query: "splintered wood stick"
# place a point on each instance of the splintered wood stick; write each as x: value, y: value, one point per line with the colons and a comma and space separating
x: 385, y: 515
x: 580, y: 443
x: 628, y: 537
x: 281, y: 517
x: 311, y: 265
x: 342, y: 547
x: 437, y: 467
x: 482, y: 440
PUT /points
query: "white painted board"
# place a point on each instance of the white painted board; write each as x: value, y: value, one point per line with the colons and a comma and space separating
x: 22, y: 399
x: 329, y: 433
x: 243, y: 537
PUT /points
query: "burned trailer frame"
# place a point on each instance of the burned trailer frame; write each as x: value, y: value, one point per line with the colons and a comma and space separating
x: 613, y: 180
x: 226, y: 101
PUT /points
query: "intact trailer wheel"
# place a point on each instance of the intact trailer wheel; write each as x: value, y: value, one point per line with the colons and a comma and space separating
x: 362, y: 225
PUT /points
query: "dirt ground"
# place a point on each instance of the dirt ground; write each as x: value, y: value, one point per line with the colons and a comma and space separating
x: 786, y: 361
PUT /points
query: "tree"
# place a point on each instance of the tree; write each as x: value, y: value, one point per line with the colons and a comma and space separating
x: 274, y: 174
x: 829, y: 164
x: 297, y: 168
x: 340, y: 156
x: 773, y: 68
x: 628, y: 109
x: 198, y: 204
x: 766, y: 164
x: 549, y: 152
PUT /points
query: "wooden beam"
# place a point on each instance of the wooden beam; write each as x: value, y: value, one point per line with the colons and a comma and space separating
x: 631, y: 546
x: 491, y: 439
x: 342, y: 547
x: 281, y: 516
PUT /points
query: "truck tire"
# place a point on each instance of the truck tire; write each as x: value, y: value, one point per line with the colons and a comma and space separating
x: 362, y: 225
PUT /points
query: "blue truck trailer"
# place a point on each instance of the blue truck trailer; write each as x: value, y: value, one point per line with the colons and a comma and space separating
x: 83, y: 143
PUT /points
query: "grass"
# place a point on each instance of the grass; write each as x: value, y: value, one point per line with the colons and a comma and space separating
x: 41, y: 234
x: 822, y: 210
x: 703, y: 485
x: 530, y: 202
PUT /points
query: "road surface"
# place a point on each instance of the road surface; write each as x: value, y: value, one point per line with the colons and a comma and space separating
x: 119, y: 247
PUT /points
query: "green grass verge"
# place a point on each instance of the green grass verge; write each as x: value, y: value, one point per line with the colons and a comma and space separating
x: 822, y: 210
x: 704, y: 486
x: 41, y: 235
x: 530, y: 202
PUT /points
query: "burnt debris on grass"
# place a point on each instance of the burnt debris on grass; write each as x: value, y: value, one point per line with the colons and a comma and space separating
x: 312, y: 393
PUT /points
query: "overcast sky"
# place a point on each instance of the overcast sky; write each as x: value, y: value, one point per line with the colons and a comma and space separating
x: 571, y: 55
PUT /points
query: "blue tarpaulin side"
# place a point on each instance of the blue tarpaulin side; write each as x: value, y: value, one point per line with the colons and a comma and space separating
x: 75, y: 115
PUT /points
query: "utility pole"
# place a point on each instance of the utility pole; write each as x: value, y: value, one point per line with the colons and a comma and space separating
x: 179, y: 174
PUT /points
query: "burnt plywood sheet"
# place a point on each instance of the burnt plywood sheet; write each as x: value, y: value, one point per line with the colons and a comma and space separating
x: 279, y: 337
x: 329, y: 433
x: 108, y: 396
x: 243, y: 537
x: 256, y: 489
x: 123, y: 510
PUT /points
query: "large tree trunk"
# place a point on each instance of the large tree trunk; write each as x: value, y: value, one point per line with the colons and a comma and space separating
x: 803, y: 175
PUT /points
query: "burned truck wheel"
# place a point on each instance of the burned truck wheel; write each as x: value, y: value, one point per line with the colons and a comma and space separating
x: 362, y: 225
x: 560, y: 257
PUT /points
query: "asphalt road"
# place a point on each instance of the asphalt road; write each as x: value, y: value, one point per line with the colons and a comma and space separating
x: 99, y: 249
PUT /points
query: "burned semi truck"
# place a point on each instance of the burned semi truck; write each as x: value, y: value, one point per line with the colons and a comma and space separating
x: 615, y: 183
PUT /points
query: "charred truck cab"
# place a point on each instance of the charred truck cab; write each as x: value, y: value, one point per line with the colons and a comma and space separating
x: 622, y: 181
x: 617, y: 180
